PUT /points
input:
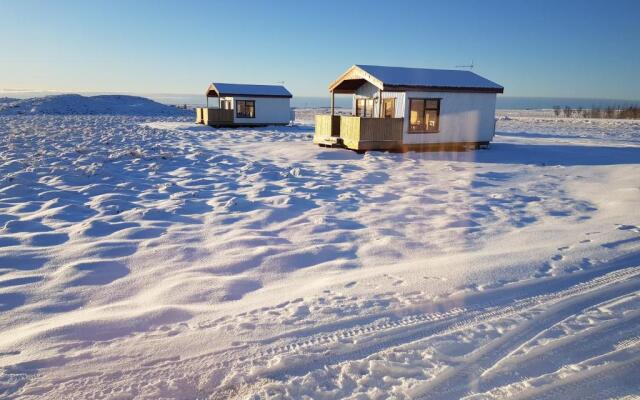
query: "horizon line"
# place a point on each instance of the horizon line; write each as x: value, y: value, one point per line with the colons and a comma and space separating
x: 48, y: 92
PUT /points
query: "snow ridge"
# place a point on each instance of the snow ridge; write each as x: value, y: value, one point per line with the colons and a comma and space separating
x: 75, y: 104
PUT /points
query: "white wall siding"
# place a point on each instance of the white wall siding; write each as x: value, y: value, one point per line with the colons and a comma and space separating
x: 269, y: 110
x: 464, y: 117
x: 367, y: 90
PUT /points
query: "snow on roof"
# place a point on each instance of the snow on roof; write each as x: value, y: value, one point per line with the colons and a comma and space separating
x: 401, y: 76
x: 239, y: 89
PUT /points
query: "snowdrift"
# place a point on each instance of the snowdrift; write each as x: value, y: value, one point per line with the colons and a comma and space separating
x: 75, y: 104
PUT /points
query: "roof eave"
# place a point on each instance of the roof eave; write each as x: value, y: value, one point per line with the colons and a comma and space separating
x: 285, y: 96
x: 212, y: 88
x: 430, y: 88
x: 362, y: 75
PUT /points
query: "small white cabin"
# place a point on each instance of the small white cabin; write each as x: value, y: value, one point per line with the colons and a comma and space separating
x: 396, y: 108
x: 245, y: 105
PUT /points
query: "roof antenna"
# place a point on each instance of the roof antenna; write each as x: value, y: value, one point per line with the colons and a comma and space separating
x: 466, y: 66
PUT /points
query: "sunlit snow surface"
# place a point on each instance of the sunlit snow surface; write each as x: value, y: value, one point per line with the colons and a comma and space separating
x: 155, y: 258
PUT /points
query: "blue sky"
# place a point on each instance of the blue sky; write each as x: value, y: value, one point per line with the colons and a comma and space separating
x: 533, y: 48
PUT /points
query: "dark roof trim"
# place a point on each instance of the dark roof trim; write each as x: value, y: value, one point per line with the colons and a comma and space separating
x: 248, y: 95
x: 405, y: 88
x: 220, y: 89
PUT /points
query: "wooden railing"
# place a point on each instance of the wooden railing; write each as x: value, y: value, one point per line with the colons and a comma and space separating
x: 214, y: 116
x: 217, y: 115
x: 356, y: 130
x: 326, y: 126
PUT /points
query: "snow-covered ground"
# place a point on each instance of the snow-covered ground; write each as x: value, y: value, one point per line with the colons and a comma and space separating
x: 148, y: 257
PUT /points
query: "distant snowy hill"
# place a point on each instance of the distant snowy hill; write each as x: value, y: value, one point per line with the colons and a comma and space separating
x: 4, y: 100
x: 75, y: 104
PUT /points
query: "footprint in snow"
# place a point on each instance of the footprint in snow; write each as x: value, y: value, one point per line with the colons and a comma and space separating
x: 435, y: 278
x: 545, y: 270
x: 632, y: 228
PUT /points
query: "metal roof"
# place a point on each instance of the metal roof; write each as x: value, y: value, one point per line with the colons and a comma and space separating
x: 407, y: 78
x: 217, y: 89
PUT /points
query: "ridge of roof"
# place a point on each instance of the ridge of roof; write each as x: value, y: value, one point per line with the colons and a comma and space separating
x: 242, y: 89
x: 429, y: 77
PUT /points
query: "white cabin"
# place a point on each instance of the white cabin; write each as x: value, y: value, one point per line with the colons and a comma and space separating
x: 245, y: 105
x: 397, y: 108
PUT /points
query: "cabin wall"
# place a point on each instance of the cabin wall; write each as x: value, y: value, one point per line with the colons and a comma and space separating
x: 269, y: 110
x: 464, y: 117
x: 367, y: 90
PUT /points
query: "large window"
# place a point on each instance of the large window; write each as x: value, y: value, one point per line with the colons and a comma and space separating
x: 424, y: 115
x: 364, y: 108
x: 389, y: 106
x: 245, y: 108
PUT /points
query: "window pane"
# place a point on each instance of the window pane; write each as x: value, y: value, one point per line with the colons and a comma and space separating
x: 416, y: 112
x: 432, y: 104
x: 360, y: 107
x: 369, y: 108
x: 432, y: 120
x: 389, y: 108
x: 251, y: 109
x: 240, y: 111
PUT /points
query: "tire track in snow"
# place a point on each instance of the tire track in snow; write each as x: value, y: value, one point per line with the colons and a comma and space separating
x: 372, y: 339
x: 611, y: 379
x: 550, y: 357
x: 448, y: 384
x: 364, y: 340
x: 496, y: 298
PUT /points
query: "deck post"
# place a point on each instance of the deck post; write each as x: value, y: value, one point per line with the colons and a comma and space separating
x: 380, y: 103
x: 332, y: 103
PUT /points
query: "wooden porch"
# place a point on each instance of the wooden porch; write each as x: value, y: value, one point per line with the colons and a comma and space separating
x: 358, y: 133
x: 214, y: 116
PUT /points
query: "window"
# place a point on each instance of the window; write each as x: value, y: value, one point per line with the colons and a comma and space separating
x: 364, y: 107
x: 245, y: 108
x: 424, y: 115
x: 389, y: 108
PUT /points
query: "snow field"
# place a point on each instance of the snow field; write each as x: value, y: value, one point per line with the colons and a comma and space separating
x: 148, y: 257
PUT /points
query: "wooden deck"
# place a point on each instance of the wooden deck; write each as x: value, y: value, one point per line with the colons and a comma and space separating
x: 214, y: 116
x: 327, y: 129
x: 359, y: 133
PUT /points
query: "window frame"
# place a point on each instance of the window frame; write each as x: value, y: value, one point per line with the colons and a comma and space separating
x: 391, y: 100
x: 367, y: 105
x: 246, y: 116
x: 424, y: 128
x: 226, y: 104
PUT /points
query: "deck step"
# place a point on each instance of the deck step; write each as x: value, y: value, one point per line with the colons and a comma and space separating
x: 331, y: 141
